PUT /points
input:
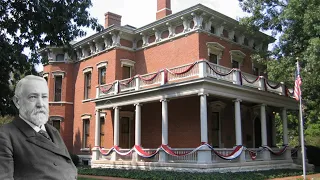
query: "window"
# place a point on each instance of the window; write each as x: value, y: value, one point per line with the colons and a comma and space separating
x: 102, y: 75
x: 126, y: 72
x: 57, y: 88
x: 127, y: 66
x: 256, y: 71
x: 237, y: 58
x: 87, y: 85
x: 235, y: 39
x: 235, y: 64
x: 60, y: 57
x: 102, y: 131
x: 215, y: 51
x: 213, y: 58
x: 225, y: 33
x: 55, y: 123
x: 212, y: 30
x: 246, y: 41
x: 86, y: 133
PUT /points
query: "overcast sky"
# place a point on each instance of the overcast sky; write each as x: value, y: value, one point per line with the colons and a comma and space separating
x: 141, y: 12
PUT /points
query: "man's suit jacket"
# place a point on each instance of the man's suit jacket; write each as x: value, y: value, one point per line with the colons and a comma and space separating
x: 26, y: 154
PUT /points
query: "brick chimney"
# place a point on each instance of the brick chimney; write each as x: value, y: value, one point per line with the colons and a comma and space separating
x: 111, y: 18
x: 163, y: 8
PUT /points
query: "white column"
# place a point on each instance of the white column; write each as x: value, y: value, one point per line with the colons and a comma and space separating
x: 116, y: 131
x: 135, y: 156
x: 163, y: 155
x: 95, y: 150
x: 203, y: 118
x: 284, y: 126
x: 238, y: 127
x: 264, y: 141
x: 202, y: 69
x: 274, y: 132
x: 138, y: 124
x: 204, y: 154
x: 237, y: 114
x: 285, y: 132
x: 116, y: 126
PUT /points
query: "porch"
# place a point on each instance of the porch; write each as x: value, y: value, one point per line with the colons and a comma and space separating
x: 223, y: 133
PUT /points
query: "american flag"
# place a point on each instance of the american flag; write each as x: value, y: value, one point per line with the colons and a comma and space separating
x: 297, y: 84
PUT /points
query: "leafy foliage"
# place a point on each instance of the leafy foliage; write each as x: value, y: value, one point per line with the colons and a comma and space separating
x: 5, y: 119
x: 297, y: 24
x: 143, y: 174
x: 33, y: 25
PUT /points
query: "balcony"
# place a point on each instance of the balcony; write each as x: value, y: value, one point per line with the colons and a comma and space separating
x: 196, y: 70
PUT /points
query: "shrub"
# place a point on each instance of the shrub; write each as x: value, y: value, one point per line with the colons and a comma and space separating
x: 313, y: 155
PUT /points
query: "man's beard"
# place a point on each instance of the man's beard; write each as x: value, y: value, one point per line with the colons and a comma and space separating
x: 37, y: 116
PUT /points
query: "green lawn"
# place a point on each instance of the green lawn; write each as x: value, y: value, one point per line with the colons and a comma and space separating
x: 160, y: 175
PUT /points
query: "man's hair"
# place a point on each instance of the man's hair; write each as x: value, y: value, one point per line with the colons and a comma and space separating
x: 23, y: 81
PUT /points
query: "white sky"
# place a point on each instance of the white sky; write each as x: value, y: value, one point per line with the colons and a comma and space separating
x: 141, y: 12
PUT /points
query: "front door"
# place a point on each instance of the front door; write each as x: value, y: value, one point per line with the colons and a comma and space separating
x: 215, y: 129
x: 124, y: 133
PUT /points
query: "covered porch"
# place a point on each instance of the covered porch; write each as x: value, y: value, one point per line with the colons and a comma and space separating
x: 195, y: 123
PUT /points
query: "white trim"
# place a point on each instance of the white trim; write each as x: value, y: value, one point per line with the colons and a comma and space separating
x: 45, y: 75
x: 237, y: 55
x: 58, y: 73
x: 86, y: 100
x: 127, y: 62
x: 60, y: 102
x: 215, y: 48
x: 56, y: 117
x: 102, y: 64
x: 87, y: 69
x: 103, y: 114
x: 164, y: 9
x: 86, y: 116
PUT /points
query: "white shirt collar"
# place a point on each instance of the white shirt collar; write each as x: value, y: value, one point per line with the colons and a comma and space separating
x: 34, y: 127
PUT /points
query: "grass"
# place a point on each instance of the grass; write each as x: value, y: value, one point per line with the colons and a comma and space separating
x: 160, y: 175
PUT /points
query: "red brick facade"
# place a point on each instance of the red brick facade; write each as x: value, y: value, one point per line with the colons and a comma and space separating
x: 184, y: 113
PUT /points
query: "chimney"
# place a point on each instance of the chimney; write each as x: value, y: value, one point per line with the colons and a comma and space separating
x: 111, y: 18
x: 163, y: 8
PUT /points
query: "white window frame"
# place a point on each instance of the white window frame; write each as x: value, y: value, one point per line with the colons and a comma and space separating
x: 127, y: 63
x: 56, y: 118
x: 55, y: 74
x: 237, y: 55
x: 83, y: 118
x: 215, y: 48
x: 102, y: 64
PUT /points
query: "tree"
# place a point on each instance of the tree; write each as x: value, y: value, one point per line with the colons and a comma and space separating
x: 297, y: 23
x: 5, y: 119
x: 33, y: 25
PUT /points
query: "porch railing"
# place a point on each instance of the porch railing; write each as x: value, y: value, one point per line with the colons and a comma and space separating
x: 192, y: 158
x: 199, y: 69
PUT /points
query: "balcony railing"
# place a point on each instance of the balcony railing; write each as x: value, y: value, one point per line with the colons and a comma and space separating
x: 198, y: 69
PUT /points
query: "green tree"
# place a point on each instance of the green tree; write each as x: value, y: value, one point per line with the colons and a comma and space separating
x: 297, y: 24
x: 33, y: 25
x: 5, y: 119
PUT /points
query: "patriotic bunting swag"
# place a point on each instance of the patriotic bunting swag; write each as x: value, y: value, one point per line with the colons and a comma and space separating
x: 233, y: 155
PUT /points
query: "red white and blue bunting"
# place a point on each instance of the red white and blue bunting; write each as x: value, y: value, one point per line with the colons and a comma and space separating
x: 167, y: 149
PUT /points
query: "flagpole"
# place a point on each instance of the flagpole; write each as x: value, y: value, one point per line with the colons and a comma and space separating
x: 302, y: 142
x: 301, y: 131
